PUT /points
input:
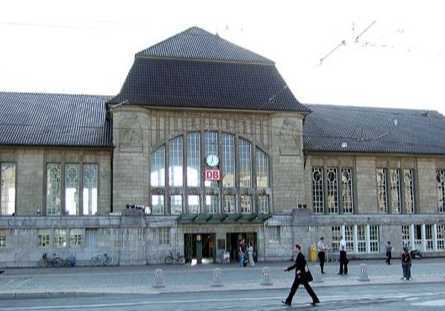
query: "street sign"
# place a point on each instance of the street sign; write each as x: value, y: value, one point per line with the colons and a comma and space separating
x: 212, y: 174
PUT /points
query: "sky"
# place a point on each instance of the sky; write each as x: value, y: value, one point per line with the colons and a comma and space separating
x: 359, y: 53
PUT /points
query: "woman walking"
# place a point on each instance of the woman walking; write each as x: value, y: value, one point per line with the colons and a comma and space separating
x: 250, y: 252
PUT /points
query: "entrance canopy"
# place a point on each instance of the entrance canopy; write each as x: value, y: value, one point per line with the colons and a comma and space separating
x: 223, y: 219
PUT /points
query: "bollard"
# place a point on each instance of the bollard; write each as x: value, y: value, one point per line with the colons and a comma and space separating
x: 159, y: 279
x: 267, y: 279
x: 318, y: 277
x: 363, y: 277
x: 216, y: 279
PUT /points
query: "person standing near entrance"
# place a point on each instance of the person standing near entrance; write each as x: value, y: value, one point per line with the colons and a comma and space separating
x: 321, y: 246
x: 250, y: 252
x: 242, y: 252
x: 388, y: 248
x: 301, y: 277
x: 406, y: 264
x: 343, y: 261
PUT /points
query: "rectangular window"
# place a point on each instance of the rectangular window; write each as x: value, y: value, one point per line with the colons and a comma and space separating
x: 406, y: 240
x: 229, y: 204
x: 394, y: 176
x: 176, y: 204
x: 440, y: 237
x: 157, y: 204
x: 7, y: 190
x: 246, y: 204
x: 361, y: 238
x: 332, y: 190
x: 441, y: 190
x: 263, y: 204
x: 76, y: 238
x: 349, y: 238
x: 262, y: 169
x: 245, y: 160
x: 60, y: 238
x: 90, y: 189
x: 175, y: 160
x: 3, y: 234
x: 228, y: 163
x: 317, y: 190
x: 275, y: 234
x: 429, y: 237
x: 193, y: 204
x: 418, y: 237
x: 44, y: 238
x: 212, y: 204
x: 408, y: 181
x: 157, y: 176
x: 210, y: 148
x: 53, y: 189
x: 374, y: 238
x: 335, y: 238
x: 164, y: 235
x: 382, y: 194
x: 193, y: 160
x: 347, y: 190
x: 72, y: 188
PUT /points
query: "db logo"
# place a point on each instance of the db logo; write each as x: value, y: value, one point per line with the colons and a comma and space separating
x: 212, y: 175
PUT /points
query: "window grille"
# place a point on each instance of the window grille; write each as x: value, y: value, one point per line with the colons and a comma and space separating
x: 90, y: 189
x: 210, y: 148
x: 76, y: 237
x: 408, y: 179
x: 349, y: 238
x: 193, y: 160
x: 229, y: 204
x: 347, y: 191
x: 440, y: 237
x: 157, y: 176
x: 60, y: 240
x: 246, y: 204
x: 406, y: 240
x: 332, y: 191
x: 3, y: 234
x: 335, y: 238
x: 245, y: 163
x: 394, y: 175
x: 212, y: 204
x: 263, y: 204
x: 374, y: 238
x: 193, y: 204
x: 361, y: 238
x: 175, y: 161
x: 176, y: 204
x: 418, y: 237
x: 382, y: 195
x: 53, y: 189
x: 7, y: 190
x: 429, y: 237
x: 317, y: 190
x: 157, y: 204
x: 44, y: 238
x: 228, y: 154
x: 441, y: 190
x: 262, y: 169
x: 164, y: 235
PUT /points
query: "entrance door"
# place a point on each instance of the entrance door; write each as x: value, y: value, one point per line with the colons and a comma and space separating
x: 200, y: 246
x: 233, y: 241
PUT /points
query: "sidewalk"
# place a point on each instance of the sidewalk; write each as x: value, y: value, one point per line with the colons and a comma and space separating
x: 22, y: 283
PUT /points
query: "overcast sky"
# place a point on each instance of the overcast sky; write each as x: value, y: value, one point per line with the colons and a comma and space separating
x: 88, y: 46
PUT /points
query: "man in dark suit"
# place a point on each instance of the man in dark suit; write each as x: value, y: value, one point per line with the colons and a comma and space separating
x: 300, y: 278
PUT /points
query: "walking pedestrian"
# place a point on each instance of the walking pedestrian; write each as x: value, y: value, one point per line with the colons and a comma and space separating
x: 250, y: 254
x: 388, y: 248
x: 242, y: 253
x: 301, y: 277
x: 406, y: 264
x: 343, y: 261
x: 321, y: 246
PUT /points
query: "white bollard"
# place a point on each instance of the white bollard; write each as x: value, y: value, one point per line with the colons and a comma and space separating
x: 216, y: 279
x: 266, y: 277
x: 158, y: 279
x: 318, y: 277
x: 363, y: 277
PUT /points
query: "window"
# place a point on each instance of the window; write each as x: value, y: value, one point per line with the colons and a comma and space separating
x: 346, y: 190
x: 317, y: 190
x: 408, y: 180
x: 440, y: 234
x: 275, y: 234
x: 60, y: 238
x: 246, y: 204
x: 382, y: 195
x: 7, y: 190
x: 262, y: 169
x: 76, y: 238
x: 175, y: 162
x: 406, y: 240
x: 332, y: 191
x: 44, y: 238
x: 157, y: 204
x: 361, y: 238
x: 441, y: 190
x: 374, y: 238
x: 193, y: 160
x: 193, y: 204
x: 211, y: 148
x: 90, y: 189
x: 3, y: 234
x: 245, y: 160
x: 212, y: 204
x: 418, y: 237
x: 72, y: 188
x: 228, y: 160
x: 349, y: 238
x: 164, y: 235
x: 157, y: 176
x: 263, y: 204
x: 429, y: 237
x: 394, y: 176
x: 229, y: 204
x: 53, y: 189
x: 176, y: 204
x: 335, y: 238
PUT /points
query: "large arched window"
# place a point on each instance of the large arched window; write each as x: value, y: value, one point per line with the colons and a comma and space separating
x: 178, y: 184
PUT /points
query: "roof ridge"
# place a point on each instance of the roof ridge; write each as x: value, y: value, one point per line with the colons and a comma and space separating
x: 372, y: 108
x: 58, y: 94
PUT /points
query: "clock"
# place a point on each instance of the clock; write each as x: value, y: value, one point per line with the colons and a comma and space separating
x: 212, y: 160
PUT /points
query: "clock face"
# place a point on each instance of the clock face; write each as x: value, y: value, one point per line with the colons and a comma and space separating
x: 212, y: 160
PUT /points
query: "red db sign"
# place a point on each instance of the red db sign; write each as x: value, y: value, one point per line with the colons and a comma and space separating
x: 212, y: 174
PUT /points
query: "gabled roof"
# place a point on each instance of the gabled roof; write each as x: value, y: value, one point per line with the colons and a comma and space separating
x: 373, y: 130
x: 54, y: 120
x: 197, y: 44
x: 196, y: 69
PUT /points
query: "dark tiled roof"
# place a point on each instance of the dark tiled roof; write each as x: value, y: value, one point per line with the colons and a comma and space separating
x: 372, y: 130
x: 190, y: 84
x: 54, y: 120
x: 198, y: 44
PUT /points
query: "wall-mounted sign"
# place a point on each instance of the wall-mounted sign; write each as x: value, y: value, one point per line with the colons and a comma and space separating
x: 212, y: 174
x: 212, y: 160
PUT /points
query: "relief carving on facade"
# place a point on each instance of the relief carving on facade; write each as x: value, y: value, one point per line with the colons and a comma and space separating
x: 289, y: 137
x: 130, y: 135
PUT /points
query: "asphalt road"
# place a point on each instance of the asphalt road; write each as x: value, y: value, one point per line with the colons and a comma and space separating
x: 429, y: 296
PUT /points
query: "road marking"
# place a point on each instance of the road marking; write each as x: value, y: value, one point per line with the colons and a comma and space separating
x: 432, y: 303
